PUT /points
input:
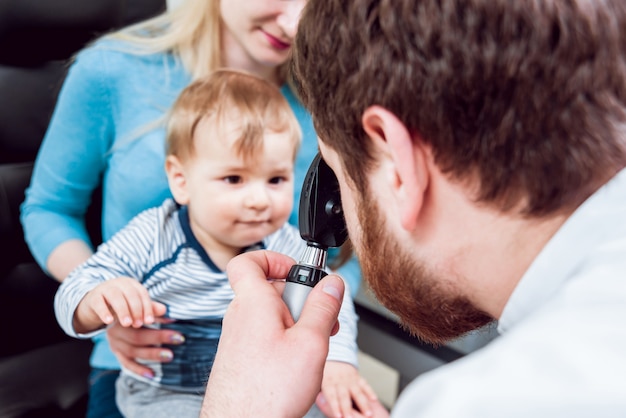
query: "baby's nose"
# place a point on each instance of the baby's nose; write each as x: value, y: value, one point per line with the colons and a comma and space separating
x: 257, y: 198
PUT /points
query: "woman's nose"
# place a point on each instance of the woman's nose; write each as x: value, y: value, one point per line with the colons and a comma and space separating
x: 289, y: 18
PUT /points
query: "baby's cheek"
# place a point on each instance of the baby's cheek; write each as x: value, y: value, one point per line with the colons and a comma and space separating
x: 285, y: 204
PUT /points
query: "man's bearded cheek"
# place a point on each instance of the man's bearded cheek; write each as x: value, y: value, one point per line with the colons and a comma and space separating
x: 425, y: 307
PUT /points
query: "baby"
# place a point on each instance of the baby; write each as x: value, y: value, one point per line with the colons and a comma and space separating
x: 231, y: 145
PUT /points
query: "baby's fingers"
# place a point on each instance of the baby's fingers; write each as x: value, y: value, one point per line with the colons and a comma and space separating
x: 336, y: 402
x: 134, y: 306
x: 101, y: 309
x: 362, y: 395
x: 141, y: 306
x: 126, y: 299
x: 367, y: 389
x: 117, y: 300
x: 158, y: 310
x: 344, y: 402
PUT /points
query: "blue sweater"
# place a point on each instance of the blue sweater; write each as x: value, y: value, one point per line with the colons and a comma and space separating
x: 101, y: 133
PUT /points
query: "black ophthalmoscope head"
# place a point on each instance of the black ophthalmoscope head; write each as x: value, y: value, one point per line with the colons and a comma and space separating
x: 322, y: 226
x: 321, y: 219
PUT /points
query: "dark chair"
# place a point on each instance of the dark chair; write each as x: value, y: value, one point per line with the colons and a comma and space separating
x: 43, y: 373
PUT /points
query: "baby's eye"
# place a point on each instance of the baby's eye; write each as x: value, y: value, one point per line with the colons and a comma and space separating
x: 232, y: 179
x: 277, y: 180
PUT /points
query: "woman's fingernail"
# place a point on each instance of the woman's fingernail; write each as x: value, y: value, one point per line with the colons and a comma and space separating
x: 147, y: 375
x: 166, y: 355
x: 177, y: 338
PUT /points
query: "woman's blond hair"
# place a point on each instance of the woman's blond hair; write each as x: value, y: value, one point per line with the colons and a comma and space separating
x: 191, y: 31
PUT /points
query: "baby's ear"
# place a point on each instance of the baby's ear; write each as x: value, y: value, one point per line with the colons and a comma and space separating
x: 176, y: 179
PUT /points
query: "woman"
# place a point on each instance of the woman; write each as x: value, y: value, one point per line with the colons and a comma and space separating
x: 105, y: 132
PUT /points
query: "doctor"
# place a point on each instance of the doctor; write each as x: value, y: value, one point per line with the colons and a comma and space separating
x: 480, y: 146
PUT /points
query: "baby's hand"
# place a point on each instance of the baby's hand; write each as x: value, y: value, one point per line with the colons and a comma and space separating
x: 345, y: 392
x: 123, y: 298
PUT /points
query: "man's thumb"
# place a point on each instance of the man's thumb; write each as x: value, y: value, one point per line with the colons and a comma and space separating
x: 322, y: 306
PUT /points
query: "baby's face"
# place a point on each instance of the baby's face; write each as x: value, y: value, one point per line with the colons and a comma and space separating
x: 234, y: 203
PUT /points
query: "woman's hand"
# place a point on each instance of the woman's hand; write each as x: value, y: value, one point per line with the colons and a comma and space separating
x: 129, y: 344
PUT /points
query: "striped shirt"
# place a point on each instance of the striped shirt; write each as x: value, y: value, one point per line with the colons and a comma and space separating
x: 159, y: 249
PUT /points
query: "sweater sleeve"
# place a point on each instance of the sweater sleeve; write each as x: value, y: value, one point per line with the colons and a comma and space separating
x: 350, y: 271
x: 126, y: 254
x: 343, y: 346
x: 71, y: 159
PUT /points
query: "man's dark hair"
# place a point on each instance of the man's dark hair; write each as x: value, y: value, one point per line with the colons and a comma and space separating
x: 528, y: 96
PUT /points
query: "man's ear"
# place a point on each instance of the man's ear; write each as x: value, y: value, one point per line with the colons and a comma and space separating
x: 405, y: 163
x: 177, y: 179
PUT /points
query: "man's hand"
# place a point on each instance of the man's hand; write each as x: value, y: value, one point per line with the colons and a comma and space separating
x: 265, y: 365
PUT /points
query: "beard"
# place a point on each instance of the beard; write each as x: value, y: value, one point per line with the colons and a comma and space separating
x: 428, y: 306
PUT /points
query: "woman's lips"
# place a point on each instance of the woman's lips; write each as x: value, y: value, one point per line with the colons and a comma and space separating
x: 277, y: 43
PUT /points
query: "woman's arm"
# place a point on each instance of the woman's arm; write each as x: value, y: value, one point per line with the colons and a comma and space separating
x: 66, y: 257
x: 68, y: 168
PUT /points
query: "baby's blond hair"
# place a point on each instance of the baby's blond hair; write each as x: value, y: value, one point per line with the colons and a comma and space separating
x: 256, y: 102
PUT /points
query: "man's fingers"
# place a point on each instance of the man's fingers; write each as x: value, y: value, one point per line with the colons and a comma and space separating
x: 256, y: 264
x: 322, y: 307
